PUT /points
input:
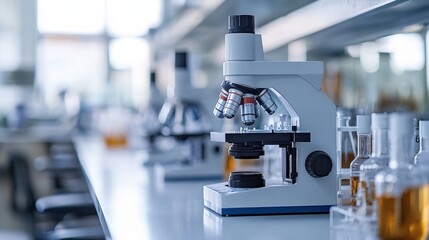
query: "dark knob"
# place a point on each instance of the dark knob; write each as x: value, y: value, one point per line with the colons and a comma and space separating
x: 246, y: 179
x: 241, y: 24
x: 318, y: 164
x: 180, y: 60
x: 152, y: 78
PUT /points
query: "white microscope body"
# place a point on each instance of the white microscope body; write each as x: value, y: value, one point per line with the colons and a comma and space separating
x: 297, y: 86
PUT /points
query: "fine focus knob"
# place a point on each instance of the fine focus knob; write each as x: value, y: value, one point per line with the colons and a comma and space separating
x: 318, y: 164
x: 246, y: 179
x: 241, y: 24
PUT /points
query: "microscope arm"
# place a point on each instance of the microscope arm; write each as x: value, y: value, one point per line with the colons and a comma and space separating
x: 309, y: 71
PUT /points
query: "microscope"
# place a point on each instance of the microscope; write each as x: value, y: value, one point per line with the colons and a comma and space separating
x: 157, y: 149
x: 183, y: 119
x: 307, y: 143
x: 149, y: 125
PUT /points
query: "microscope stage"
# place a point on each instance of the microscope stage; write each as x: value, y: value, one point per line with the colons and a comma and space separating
x: 263, y: 136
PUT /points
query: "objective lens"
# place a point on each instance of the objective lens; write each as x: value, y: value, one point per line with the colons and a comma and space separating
x: 266, y: 102
x: 257, y: 110
x: 232, y: 103
x: 218, y: 109
x: 247, y: 107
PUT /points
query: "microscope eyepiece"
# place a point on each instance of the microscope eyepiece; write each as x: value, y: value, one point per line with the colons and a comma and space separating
x: 232, y: 103
x: 241, y: 24
x: 266, y: 102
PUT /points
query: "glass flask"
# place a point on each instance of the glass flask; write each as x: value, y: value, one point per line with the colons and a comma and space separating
x: 364, y: 147
x: 422, y: 158
x: 348, y: 148
x: 378, y: 161
x: 402, y: 192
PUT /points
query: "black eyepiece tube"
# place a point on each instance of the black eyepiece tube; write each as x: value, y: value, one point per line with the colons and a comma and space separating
x: 241, y: 24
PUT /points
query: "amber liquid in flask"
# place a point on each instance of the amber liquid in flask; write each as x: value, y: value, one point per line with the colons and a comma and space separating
x: 115, y: 141
x: 402, y: 192
x: 364, y: 151
x: 369, y: 190
x: 406, y: 216
x: 354, y: 185
x: 379, y: 158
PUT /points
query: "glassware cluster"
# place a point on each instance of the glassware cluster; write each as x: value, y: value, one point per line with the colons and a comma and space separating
x: 388, y: 188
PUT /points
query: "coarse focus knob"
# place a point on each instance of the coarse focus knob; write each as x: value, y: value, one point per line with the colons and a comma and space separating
x: 241, y: 24
x: 318, y: 164
x: 246, y: 179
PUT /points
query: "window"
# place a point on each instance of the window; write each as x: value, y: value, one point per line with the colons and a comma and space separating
x: 9, y: 35
x: 132, y: 17
x: 71, y: 16
x: 96, y: 46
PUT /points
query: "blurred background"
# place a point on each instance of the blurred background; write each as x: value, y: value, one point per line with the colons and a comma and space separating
x: 64, y: 62
x: 104, y: 49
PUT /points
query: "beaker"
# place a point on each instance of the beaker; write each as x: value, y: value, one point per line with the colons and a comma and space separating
x: 113, y: 124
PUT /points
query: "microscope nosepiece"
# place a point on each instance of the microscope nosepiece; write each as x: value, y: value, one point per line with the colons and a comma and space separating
x: 266, y: 102
x: 232, y: 103
x: 248, y: 113
x: 220, y: 105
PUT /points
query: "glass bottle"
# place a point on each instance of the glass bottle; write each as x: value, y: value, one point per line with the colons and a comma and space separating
x: 363, y: 123
x: 402, y: 192
x: 379, y: 159
x: 348, y: 149
x: 422, y: 158
x: 416, y: 138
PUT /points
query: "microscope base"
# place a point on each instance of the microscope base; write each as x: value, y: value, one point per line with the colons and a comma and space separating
x: 189, y: 172
x: 271, y: 199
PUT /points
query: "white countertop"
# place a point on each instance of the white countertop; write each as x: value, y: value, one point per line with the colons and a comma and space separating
x: 133, y: 204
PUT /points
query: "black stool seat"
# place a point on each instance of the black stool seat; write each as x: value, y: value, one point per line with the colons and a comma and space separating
x: 61, y: 204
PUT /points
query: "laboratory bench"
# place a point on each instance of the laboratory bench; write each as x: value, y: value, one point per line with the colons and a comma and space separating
x: 134, y: 203
x: 34, y: 134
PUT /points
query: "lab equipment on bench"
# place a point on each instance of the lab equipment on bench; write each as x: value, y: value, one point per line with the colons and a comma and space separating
x: 183, y: 118
x: 308, y: 182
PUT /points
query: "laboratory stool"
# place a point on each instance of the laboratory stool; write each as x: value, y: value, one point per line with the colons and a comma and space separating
x: 64, y: 168
x: 52, y: 208
x: 84, y: 228
x: 59, y: 205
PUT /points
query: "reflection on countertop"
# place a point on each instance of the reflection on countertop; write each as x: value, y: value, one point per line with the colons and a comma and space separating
x: 135, y: 204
